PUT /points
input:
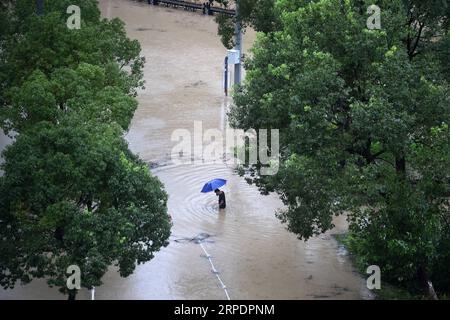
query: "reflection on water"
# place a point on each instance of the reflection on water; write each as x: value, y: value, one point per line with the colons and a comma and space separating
x: 256, y: 257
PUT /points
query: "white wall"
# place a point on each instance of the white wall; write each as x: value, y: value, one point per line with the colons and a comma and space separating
x: 4, y: 141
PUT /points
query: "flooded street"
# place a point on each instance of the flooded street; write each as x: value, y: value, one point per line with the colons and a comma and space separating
x: 255, y: 256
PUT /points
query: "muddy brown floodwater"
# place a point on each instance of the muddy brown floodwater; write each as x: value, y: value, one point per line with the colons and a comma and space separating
x: 256, y: 257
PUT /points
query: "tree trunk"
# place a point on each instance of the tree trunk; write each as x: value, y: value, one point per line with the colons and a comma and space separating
x: 400, y: 164
x: 72, y: 295
x: 426, y: 283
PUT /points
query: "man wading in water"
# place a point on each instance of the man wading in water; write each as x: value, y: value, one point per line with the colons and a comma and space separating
x: 222, y: 202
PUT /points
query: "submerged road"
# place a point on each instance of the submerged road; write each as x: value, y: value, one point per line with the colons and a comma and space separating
x: 255, y: 257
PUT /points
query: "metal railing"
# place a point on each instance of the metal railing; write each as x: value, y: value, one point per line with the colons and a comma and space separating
x: 194, y: 6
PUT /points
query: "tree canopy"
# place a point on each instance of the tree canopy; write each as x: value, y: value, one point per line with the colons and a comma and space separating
x: 72, y: 192
x: 363, y: 118
x: 258, y: 14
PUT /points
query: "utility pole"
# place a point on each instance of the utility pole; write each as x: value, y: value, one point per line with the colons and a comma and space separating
x: 40, y: 7
x: 225, y: 76
x: 238, y: 45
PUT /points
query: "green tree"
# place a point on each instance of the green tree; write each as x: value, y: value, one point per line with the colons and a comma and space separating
x: 72, y: 193
x: 45, y: 43
x: 363, y: 118
x: 258, y: 14
x: 90, y: 91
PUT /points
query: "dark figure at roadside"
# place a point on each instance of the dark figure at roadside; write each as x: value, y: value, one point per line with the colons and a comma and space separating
x: 208, y: 6
x: 222, y: 201
x: 204, y: 8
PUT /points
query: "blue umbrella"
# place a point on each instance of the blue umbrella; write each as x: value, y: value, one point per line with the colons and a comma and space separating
x: 213, y: 185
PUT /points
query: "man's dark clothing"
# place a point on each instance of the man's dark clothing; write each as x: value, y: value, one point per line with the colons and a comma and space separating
x: 222, y: 202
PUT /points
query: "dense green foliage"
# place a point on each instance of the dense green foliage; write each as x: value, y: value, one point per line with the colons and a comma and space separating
x: 259, y: 14
x: 72, y: 193
x: 363, y: 118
